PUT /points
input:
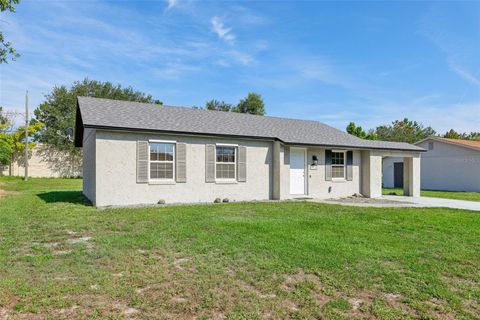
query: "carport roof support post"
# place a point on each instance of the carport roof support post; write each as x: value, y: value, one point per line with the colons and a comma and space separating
x: 371, y: 174
x: 411, y: 176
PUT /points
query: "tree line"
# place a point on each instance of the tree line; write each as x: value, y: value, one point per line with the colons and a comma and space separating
x: 406, y: 131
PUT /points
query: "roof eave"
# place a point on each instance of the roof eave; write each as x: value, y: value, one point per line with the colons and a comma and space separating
x: 189, y: 133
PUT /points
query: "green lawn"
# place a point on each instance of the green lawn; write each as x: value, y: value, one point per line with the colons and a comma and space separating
x: 470, y: 196
x: 62, y: 259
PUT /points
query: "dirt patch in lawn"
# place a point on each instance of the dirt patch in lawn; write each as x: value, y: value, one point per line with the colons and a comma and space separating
x: 4, y: 193
x: 360, y: 301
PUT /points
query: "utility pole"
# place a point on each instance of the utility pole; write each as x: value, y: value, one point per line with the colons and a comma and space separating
x: 26, y: 136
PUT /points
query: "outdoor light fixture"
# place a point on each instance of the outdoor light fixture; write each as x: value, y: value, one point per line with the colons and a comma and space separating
x: 314, y: 160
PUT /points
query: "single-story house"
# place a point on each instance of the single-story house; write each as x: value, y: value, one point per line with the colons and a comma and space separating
x: 448, y: 164
x: 139, y: 153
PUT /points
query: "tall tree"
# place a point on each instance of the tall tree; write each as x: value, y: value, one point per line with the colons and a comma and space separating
x: 359, y: 132
x: 6, y: 50
x: 404, y: 131
x: 57, y: 112
x: 218, y: 105
x: 252, y: 104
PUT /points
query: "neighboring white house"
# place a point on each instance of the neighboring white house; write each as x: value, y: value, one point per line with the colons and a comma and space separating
x: 138, y: 153
x: 44, y: 162
x: 448, y: 164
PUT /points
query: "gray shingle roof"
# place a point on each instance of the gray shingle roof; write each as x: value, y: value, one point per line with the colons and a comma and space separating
x: 106, y: 113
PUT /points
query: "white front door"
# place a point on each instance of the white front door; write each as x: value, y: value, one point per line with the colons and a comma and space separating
x: 297, y: 171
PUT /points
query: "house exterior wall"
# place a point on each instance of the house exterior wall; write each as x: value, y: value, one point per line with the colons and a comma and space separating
x: 116, y: 172
x: 450, y: 167
x: 110, y: 172
x: 317, y: 187
x: 89, y: 164
x: 44, y: 162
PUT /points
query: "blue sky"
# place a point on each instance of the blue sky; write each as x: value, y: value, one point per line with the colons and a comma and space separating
x: 369, y: 62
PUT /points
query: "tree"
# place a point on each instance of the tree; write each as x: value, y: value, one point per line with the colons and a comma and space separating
x: 359, y: 132
x: 452, y: 134
x: 5, y: 141
x: 12, y: 144
x: 6, y: 49
x: 404, y: 131
x: 4, y: 121
x: 218, y: 105
x: 57, y: 112
x: 5, y: 150
x: 252, y: 104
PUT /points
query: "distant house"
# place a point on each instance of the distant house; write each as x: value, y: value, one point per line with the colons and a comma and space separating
x: 448, y: 164
x: 138, y: 153
x: 44, y: 162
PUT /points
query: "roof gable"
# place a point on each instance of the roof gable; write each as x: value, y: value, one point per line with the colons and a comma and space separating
x: 470, y: 144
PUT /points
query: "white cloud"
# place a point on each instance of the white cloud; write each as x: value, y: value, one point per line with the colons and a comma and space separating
x: 223, y: 32
x: 171, y: 4
x: 174, y: 71
x: 460, y: 54
x: 465, y: 75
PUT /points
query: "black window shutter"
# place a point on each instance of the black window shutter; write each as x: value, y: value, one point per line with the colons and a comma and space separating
x: 349, y: 165
x: 328, y: 165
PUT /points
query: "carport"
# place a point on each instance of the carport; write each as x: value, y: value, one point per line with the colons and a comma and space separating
x: 371, y: 172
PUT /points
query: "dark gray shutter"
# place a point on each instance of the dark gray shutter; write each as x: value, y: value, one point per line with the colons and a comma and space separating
x: 210, y: 163
x: 328, y: 165
x: 181, y: 162
x: 142, y: 161
x: 349, y: 165
x: 242, y: 164
x: 286, y: 155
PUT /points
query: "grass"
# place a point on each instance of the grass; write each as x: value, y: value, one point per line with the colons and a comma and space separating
x: 300, y: 260
x: 457, y: 195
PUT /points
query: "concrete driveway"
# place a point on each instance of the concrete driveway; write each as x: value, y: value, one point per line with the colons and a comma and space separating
x: 436, y: 202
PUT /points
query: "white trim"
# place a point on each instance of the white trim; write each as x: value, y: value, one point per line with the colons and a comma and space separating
x: 226, y: 180
x: 161, y: 141
x: 344, y: 178
x: 158, y: 180
x: 226, y: 144
x: 305, y: 174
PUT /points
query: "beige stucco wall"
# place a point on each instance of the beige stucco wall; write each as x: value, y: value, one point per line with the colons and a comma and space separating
x: 89, y: 162
x: 44, y: 163
x: 115, y: 175
x: 110, y: 172
x: 317, y: 187
x: 450, y: 167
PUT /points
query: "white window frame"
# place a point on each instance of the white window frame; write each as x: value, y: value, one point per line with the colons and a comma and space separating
x: 164, y: 161
x: 235, y: 151
x: 344, y: 165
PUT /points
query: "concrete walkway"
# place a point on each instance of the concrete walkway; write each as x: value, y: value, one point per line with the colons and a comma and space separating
x: 436, y: 202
